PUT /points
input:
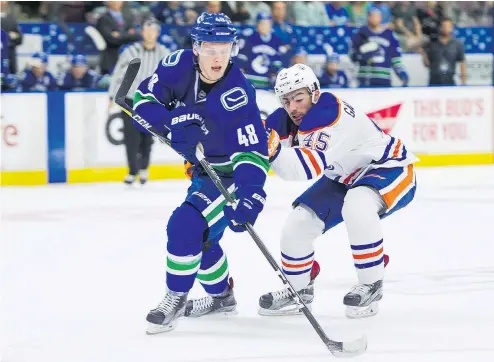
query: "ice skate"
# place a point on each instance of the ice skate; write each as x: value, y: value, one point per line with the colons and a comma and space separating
x: 280, y: 303
x: 143, y: 177
x: 208, y: 305
x: 129, y: 180
x: 164, y: 317
x: 362, y: 300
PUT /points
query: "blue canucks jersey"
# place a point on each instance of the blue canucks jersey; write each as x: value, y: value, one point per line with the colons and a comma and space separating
x: 237, y: 141
x: 337, y: 80
x: 375, y: 67
x: 261, y: 58
x: 89, y: 81
x: 29, y: 82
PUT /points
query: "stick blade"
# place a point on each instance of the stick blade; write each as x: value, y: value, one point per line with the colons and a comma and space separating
x: 348, y: 349
x: 129, y: 77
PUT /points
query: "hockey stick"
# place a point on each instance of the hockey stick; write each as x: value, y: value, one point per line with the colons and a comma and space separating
x: 338, y: 349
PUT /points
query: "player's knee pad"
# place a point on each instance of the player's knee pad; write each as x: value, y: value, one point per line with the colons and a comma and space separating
x: 187, y: 226
x: 360, y: 202
x: 301, y: 227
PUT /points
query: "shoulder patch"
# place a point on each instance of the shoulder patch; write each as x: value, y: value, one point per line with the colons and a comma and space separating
x: 234, y: 99
x: 172, y: 59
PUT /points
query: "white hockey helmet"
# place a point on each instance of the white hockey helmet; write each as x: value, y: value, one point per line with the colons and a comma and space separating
x: 296, y: 77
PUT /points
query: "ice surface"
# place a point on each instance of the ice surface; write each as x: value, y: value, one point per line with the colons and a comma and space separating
x: 81, y: 265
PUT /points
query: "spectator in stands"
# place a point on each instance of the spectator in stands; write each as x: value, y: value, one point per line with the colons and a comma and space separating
x: 358, y: 11
x: 385, y: 12
x: 333, y: 77
x: 9, y: 25
x: 442, y: 55
x: 309, y: 13
x: 79, y: 77
x: 281, y: 28
x: 376, y: 51
x: 254, y: 8
x: 235, y: 10
x: 213, y: 7
x: 37, y: 78
x: 138, y: 144
x: 337, y: 13
x: 299, y: 56
x: 169, y: 12
x: 430, y: 19
x: 407, y: 26
x: 262, y: 54
x: 117, y: 30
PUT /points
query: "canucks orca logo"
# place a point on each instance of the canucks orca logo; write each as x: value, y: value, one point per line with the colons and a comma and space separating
x: 234, y: 99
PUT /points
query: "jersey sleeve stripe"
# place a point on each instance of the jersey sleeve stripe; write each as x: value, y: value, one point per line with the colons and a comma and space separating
x: 330, y: 124
x: 397, y: 149
x: 302, y: 161
x: 313, y: 161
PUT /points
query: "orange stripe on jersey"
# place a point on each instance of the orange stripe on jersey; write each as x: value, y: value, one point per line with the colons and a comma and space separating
x: 312, y: 160
x: 296, y: 265
x: 397, y: 149
x: 369, y: 255
x: 329, y: 125
x: 390, y: 196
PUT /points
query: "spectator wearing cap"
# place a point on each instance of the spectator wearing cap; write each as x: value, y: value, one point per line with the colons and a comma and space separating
x: 79, y: 77
x: 36, y: 77
x: 254, y: 8
x: 376, y: 51
x: 299, y: 56
x: 442, y: 55
x: 117, y: 30
x: 262, y: 54
x: 333, y: 77
x: 138, y: 144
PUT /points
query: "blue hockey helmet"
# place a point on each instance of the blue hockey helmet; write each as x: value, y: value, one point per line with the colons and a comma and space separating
x: 215, y: 28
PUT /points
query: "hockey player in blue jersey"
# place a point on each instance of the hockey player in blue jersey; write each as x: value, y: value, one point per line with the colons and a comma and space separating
x: 376, y: 51
x: 263, y: 54
x: 367, y: 175
x: 194, y: 96
x: 79, y: 77
x: 333, y: 77
x: 37, y: 78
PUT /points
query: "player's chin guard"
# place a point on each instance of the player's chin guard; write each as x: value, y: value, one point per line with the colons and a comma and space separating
x: 296, y: 77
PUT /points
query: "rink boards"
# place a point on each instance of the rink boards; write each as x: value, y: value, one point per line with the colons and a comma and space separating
x: 72, y: 137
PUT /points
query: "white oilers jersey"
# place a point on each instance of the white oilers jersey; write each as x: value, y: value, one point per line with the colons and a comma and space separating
x: 339, y: 140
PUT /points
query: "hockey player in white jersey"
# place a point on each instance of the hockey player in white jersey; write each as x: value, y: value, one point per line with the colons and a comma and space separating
x: 367, y: 176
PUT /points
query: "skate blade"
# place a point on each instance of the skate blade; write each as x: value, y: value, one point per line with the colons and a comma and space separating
x: 292, y: 310
x: 362, y: 312
x: 157, y: 328
x: 221, y: 313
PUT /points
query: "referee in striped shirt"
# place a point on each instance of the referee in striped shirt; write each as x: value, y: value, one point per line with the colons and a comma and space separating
x: 138, y: 144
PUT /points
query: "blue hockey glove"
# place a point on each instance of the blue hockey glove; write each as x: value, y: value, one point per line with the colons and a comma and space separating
x: 251, y: 200
x: 187, y: 130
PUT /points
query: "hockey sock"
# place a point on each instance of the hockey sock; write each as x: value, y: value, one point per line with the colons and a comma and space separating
x: 185, y: 231
x: 301, y: 228
x: 360, y: 213
x: 213, y: 272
